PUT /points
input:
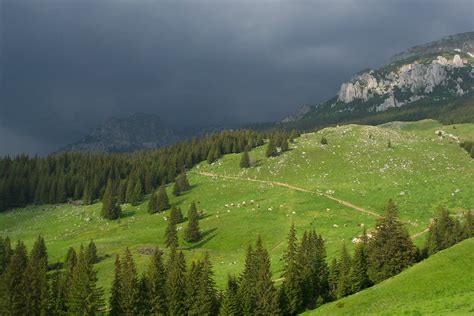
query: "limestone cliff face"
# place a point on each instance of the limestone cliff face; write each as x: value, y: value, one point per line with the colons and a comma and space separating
x: 417, y: 83
x: 410, y: 81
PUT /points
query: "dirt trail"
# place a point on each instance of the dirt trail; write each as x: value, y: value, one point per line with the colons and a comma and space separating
x: 289, y: 186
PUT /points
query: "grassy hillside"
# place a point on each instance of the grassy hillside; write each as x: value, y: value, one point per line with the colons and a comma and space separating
x: 335, y: 188
x: 442, y: 285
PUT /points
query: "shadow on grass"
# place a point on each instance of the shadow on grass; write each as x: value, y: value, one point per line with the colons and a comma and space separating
x: 207, y: 236
x: 126, y: 214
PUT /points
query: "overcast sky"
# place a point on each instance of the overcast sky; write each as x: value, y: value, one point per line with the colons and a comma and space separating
x: 68, y: 65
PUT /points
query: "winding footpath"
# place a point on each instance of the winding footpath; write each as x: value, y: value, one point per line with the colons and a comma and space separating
x: 289, y: 186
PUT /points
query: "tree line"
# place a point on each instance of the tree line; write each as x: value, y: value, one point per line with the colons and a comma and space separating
x: 171, y: 286
x: 82, y: 176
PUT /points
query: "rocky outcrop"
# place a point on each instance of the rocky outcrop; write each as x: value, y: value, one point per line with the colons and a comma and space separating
x: 462, y: 43
x: 412, y: 80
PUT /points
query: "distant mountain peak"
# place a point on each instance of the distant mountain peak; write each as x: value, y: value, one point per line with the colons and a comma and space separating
x: 138, y: 131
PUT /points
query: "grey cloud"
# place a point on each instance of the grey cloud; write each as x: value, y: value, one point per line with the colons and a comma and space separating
x: 67, y: 65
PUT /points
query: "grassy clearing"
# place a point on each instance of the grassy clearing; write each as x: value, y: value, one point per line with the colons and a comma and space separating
x: 421, y: 171
x: 442, y: 285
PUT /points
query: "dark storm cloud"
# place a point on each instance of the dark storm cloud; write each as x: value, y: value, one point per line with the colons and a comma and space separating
x: 67, y: 65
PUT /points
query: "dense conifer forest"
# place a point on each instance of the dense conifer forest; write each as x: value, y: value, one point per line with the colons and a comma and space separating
x: 88, y: 177
x: 171, y: 285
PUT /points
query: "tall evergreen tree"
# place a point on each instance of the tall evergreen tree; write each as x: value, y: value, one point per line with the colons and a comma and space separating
x: 271, y: 149
x: 129, y: 285
x: 87, y: 197
x: 116, y: 290
x: 390, y: 250
x: 156, y: 284
x: 13, y: 291
x: 205, y: 300
x: 176, y: 215
x: 171, y: 235
x: 444, y: 232
x: 176, y: 284
x: 192, y: 232
x: 291, y: 289
x: 248, y: 282
x: 35, y: 284
x: 359, y: 277
x: 110, y: 209
x: 267, y: 300
x: 162, y: 200
x: 85, y: 297
x: 230, y: 303
x: 137, y: 193
x: 92, y: 252
x: 153, y: 203
x: 344, y: 285
x: 245, y: 160
x: 333, y: 278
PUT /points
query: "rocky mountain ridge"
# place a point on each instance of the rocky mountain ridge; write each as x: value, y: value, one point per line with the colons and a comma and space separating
x: 433, y: 74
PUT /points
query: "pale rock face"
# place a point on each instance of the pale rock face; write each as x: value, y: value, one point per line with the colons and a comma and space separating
x: 416, y: 78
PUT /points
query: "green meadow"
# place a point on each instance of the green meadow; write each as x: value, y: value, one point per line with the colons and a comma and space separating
x: 420, y: 171
x: 442, y: 285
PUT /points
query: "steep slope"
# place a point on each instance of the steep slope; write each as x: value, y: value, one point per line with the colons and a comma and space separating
x: 138, y: 132
x: 441, y: 285
x: 427, y: 81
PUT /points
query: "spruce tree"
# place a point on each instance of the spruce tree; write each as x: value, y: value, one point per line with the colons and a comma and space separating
x: 110, y: 209
x: 444, y: 232
x: 176, y: 284
x: 230, y: 302
x: 143, y: 303
x: 85, y: 297
x: 391, y: 249
x: 153, y: 203
x: 156, y: 284
x: 171, y: 235
x: 35, y: 284
x: 333, y: 278
x: 116, y: 290
x: 162, y: 200
x: 205, y: 301
x: 344, y: 285
x: 137, y: 193
x: 14, y: 294
x: 324, y: 140
x: 176, y: 215
x: 245, y: 160
x: 267, y: 300
x: 248, y: 281
x: 87, y: 197
x: 192, y: 232
x: 129, y: 285
x: 271, y: 149
x: 359, y: 277
x: 183, y: 182
x: 92, y: 252
x: 291, y: 289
